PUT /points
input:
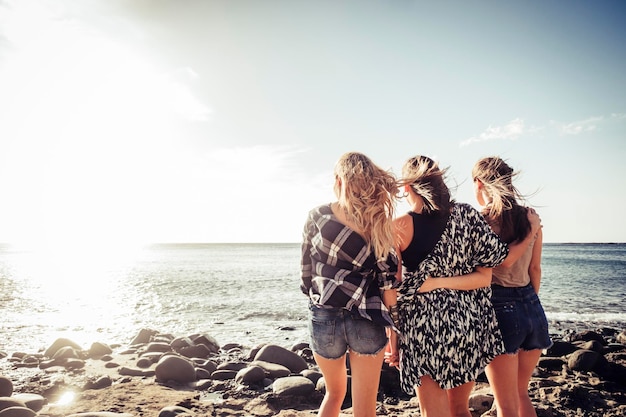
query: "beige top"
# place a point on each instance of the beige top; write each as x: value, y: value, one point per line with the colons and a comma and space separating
x: 515, y: 275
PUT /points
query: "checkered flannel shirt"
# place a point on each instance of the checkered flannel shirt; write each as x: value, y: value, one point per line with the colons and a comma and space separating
x: 339, y: 271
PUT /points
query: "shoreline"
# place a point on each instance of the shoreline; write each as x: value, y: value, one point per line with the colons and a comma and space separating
x: 584, y: 372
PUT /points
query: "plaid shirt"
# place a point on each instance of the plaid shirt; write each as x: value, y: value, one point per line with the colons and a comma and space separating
x: 339, y: 271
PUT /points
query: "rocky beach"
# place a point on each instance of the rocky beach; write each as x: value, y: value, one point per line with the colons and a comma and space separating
x: 583, y: 374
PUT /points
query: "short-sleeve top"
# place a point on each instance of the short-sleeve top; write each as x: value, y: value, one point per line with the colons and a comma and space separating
x: 517, y: 274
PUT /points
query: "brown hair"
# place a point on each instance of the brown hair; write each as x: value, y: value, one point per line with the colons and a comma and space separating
x: 503, y: 208
x: 428, y: 181
x: 368, y: 193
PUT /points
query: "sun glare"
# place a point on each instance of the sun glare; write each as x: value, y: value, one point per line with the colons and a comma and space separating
x: 89, y: 124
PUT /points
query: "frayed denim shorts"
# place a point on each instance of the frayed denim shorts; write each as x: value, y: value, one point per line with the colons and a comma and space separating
x: 335, y: 330
x: 521, y: 318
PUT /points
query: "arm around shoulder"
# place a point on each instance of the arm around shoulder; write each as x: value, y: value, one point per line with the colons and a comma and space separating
x: 516, y: 250
x: 534, y: 269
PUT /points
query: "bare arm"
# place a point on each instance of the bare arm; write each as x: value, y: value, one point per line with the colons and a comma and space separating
x: 534, y: 269
x: 481, y: 277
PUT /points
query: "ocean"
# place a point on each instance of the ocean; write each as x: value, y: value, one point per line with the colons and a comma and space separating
x: 238, y: 293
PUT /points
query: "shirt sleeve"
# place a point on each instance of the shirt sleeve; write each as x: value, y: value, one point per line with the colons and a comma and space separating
x: 306, y: 264
x: 387, y: 275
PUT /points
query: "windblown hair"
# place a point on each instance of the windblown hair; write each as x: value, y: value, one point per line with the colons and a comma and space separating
x: 368, y: 194
x: 428, y: 181
x: 503, y: 209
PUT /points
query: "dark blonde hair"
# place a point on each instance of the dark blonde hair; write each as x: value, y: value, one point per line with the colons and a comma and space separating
x: 503, y: 208
x: 428, y: 181
x: 368, y: 193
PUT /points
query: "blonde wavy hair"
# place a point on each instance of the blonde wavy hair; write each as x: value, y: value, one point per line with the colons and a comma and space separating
x: 368, y: 194
x: 503, y: 207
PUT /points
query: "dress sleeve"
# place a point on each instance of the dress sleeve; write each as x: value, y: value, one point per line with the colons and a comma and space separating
x: 489, y: 250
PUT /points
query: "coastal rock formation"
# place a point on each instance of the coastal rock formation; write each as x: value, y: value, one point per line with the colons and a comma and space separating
x: 160, y: 375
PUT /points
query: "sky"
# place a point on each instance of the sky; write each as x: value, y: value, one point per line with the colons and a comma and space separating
x: 126, y: 122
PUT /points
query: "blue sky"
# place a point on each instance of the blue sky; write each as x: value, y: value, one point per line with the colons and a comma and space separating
x: 220, y: 121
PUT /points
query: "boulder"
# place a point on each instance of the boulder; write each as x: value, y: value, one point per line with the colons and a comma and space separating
x: 175, y: 368
x: 6, y: 387
x: 293, y: 385
x: 17, y: 412
x: 586, y: 360
x: 281, y: 356
x: 58, y: 344
x: 250, y: 375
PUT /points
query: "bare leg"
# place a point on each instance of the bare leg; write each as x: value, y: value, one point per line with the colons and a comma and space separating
x: 458, y: 400
x: 503, y: 379
x: 336, y: 379
x: 527, y: 362
x: 433, y: 399
x: 365, y: 371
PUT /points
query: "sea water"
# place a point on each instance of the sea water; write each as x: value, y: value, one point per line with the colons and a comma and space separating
x: 238, y: 293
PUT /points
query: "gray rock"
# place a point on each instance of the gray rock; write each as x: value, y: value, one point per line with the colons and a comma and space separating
x: 593, y: 345
x: 560, y: 348
x: 144, y: 362
x: 6, y: 387
x: 175, y: 368
x: 480, y: 402
x: 552, y: 364
x: 99, y: 383
x: 223, y: 375
x: 58, y: 344
x: 66, y: 352
x: 17, y: 412
x: 312, y: 374
x: 586, y: 360
x: 207, y: 340
x: 100, y: 414
x: 7, y: 402
x: 74, y: 363
x: 208, y: 365
x: 281, y: 356
x: 158, y: 347
x: 175, y: 410
x: 136, y: 372
x: 293, y: 385
x: 230, y: 346
x: 195, y: 351
x: 273, y: 370
x: 202, y: 373
x: 33, y: 401
x: 250, y: 375
x: 98, y: 350
x: 232, y: 366
x: 144, y: 336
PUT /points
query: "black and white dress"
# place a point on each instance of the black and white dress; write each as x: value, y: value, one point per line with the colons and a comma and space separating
x: 450, y: 335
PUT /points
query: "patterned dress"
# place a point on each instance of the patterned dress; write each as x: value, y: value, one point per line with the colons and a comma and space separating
x: 450, y: 335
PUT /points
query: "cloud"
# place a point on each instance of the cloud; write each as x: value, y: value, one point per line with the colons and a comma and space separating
x: 516, y: 128
x: 580, y: 126
x: 511, y: 131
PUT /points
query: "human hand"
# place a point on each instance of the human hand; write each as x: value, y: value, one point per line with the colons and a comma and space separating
x: 534, y: 219
x: 391, y: 350
x: 428, y: 285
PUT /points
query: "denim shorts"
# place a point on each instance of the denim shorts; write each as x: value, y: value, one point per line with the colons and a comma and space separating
x: 521, y: 318
x: 335, y: 330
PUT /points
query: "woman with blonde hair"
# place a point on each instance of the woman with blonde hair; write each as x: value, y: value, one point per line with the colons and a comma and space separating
x: 515, y: 287
x: 348, y: 268
x: 448, y: 326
